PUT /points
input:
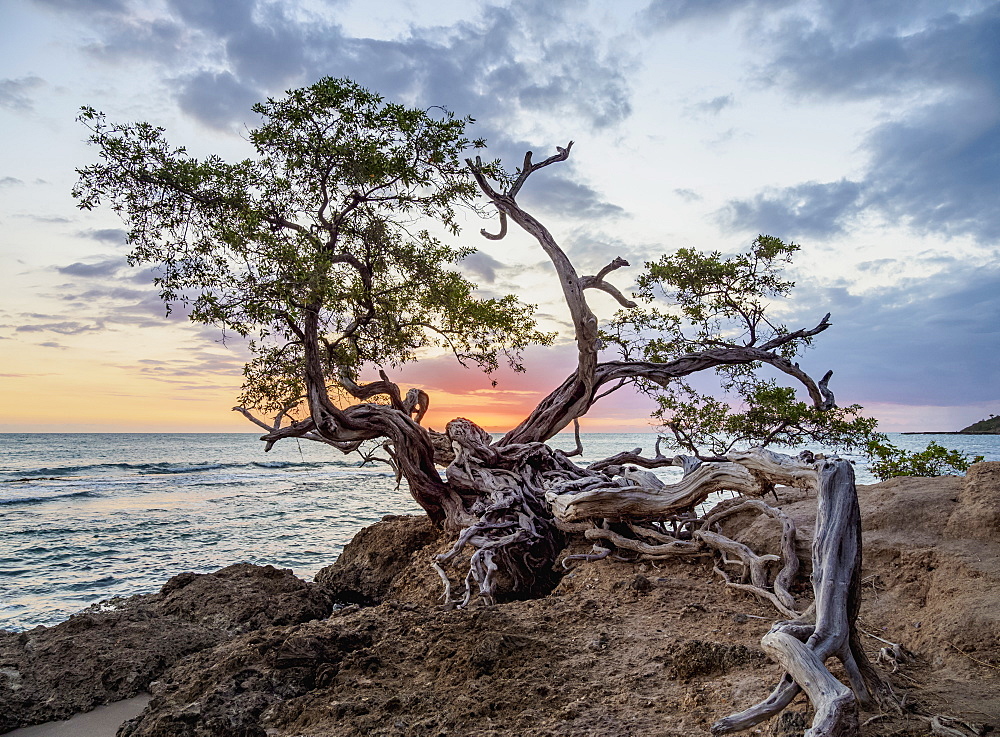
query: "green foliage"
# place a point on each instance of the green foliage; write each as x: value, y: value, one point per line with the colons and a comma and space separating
x: 766, y: 414
x: 323, y: 220
x: 714, y: 301
x: 722, y: 300
x: 887, y: 461
x: 717, y: 301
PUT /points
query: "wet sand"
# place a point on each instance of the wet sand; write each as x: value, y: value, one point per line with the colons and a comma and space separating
x: 103, y: 721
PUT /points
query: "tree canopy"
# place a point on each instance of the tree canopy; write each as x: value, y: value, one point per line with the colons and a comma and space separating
x: 325, y: 228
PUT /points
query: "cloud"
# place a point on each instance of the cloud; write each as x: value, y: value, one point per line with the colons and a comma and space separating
x: 711, y: 107
x: 84, y: 6
x: 114, y: 236
x: 940, y: 170
x: 10, y: 182
x: 126, y: 38
x: 880, y: 265
x: 482, y: 265
x: 665, y: 13
x: 106, y: 268
x: 197, y: 363
x: 934, y: 163
x: 933, y: 341
x: 688, y: 195
x: 526, y: 58
x: 217, y: 100
x: 67, y: 327
x: 52, y: 219
x: 221, y: 17
x: 566, y: 198
x: 810, y: 210
x: 16, y: 94
x: 137, y: 297
x: 592, y: 249
x: 852, y: 51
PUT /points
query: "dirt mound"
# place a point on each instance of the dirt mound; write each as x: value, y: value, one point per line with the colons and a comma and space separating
x: 115, y: 650
x: 617, y: 649
x: 977, y: 515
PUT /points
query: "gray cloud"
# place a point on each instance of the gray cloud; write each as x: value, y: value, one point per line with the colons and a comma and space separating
x: 10, y: 181
x: 561, y: 196
x: 17, y: 94
x: 217, y: 100
x: 530, y: 56
x: 711, y: 107
x: 482, y: 265
x: 105, y: 268
x: 932, y: 341
x: 857, y: 50
x: 222, y: 17
x: 810, y: 210
x: 84, y: 6
x: 66, y: 327
x: 115, y: 236
x: 940, y: 170
x: 592, y: 250
x: 127, y: 38
x: 197, y: 363
x: 55, y: 219
x: 880, y: 265
x: 506, y: 65
x: 934, y: 165
x: 666, y: 13
x: 136, y: 296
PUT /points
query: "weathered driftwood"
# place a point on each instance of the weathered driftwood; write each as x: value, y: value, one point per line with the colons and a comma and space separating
x: 781, y: 597
x: 613, y: 501
x: 803, y: 648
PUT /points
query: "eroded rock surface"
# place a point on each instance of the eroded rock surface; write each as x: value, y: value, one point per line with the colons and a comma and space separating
x: 365, y: 570
x: 115, y: 650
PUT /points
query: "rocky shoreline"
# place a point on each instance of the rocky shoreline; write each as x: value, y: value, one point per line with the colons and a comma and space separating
x: 617, y: 649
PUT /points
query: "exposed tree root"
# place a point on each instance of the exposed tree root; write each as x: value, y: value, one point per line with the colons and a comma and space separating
x: 646, y: 551
x: 610, y: 499
x: 801, y: 648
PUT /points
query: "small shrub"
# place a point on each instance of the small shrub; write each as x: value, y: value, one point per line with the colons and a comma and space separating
x: 935, y: 460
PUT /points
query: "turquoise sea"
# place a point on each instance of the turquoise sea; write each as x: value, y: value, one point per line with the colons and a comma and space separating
x: 84, y: 517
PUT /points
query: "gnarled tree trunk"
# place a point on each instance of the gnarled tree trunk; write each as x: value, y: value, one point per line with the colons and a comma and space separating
x: 513, y: 500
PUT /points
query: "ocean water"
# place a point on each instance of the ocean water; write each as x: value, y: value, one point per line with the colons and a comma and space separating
x: 84, y: 517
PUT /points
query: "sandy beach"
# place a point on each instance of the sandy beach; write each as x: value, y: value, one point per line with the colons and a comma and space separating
x: 103, y: 721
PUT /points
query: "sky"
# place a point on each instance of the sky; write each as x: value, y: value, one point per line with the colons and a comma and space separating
x: 867, y: 131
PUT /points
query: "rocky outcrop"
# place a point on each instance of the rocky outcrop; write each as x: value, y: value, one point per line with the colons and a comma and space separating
x: 366, y: 569
x: 618, y: 648
x: 115, y: 650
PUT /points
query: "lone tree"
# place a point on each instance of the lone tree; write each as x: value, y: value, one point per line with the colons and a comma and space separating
x: 313, y: 251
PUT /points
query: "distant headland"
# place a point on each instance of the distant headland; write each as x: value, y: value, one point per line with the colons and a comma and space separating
x: 989, y: 426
